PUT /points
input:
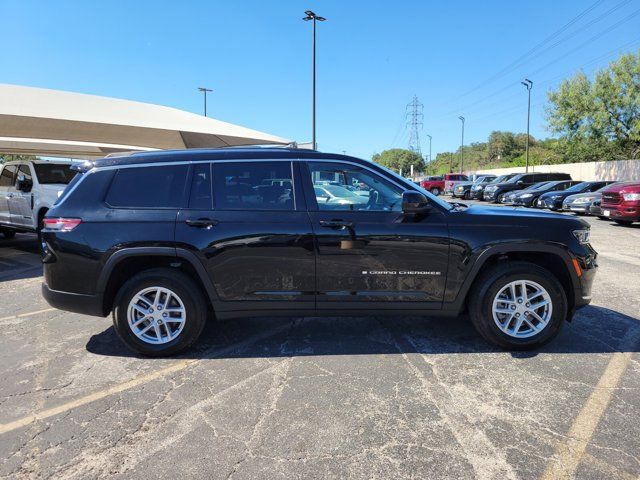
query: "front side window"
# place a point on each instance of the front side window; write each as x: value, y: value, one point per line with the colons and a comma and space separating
x: 51, y: 173
x: 25, y: 171
x: 148, y: 187
x: 8, y: 175
x: 339, y: 186
x: 253, y: 186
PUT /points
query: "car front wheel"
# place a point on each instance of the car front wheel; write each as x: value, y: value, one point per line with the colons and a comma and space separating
x: 517, y: 305
x: 159, y: 312
x: 435, y: 191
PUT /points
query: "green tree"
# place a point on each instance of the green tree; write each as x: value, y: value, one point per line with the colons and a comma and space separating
x: 399, y: 159
x: 600, y: 117
x: 10, y: 158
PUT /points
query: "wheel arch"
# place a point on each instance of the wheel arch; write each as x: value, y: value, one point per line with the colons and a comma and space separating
x: 126, y: 262
x: 551, y: 257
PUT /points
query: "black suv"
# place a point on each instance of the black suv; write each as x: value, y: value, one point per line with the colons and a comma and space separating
x: 496, y: 191
x: 165, y: 240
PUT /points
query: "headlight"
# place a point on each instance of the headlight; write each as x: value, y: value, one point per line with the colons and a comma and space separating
x: 490, y: 189
x: 555, y: 197
x: 584, y: 200
x: 526, y: 195
x: 581, y: 235
x: 629, y: 197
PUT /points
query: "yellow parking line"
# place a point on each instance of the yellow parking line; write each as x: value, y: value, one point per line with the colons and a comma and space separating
x: 28, y: 314
x: 569, y: 452
x: 121, y: 387
x: 22, y: 422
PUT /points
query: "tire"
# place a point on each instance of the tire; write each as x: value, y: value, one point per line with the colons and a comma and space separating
x: 187, y: 291
x: 435, y: 191
x: 8, y: 234
x: 499, y: 198
x: 624, y: 223
x: 39, y: 228
x: 490, y: 283
x: 467, y: 195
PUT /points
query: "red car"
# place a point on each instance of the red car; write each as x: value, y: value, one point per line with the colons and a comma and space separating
x: 434, y: 185
x: 438, y: 185
x: 621, y: 203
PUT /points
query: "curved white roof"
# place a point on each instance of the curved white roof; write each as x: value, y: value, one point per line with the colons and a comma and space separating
x: 52, y: 122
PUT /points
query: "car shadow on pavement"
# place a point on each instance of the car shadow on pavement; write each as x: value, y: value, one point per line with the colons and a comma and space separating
x: 593, y: 330
x: 20, y: 258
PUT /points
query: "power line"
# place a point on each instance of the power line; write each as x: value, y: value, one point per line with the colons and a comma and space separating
x: 534, y: 48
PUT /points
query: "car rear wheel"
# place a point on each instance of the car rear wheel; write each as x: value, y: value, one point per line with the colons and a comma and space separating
x: 159, y: 312
x: 435, y: 191
x: 517, y: 305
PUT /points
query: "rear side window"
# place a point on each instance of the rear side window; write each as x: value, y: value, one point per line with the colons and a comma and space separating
x: 8, y: 176
x: 148, y: 187
x: 200, y: 197
x: 253, y: 186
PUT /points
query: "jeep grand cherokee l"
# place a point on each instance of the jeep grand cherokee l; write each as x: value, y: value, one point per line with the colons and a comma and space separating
x: 164, y: 240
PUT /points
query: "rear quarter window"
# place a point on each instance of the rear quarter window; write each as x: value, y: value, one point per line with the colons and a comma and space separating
x: 148, y: 187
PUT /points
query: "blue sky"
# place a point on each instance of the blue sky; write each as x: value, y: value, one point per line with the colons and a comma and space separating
x: 372, y: 58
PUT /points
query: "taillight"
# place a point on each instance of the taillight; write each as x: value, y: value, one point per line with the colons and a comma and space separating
x: 61, y: 224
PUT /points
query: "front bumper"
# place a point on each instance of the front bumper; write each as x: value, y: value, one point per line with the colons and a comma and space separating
x: 588, y: 266
x: 74, y: 302
x: 573, y: 207
x: 621, y: 212
x: 549, y: 203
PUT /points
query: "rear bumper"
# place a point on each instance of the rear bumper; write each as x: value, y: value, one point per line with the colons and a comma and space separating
x: 74, y: 302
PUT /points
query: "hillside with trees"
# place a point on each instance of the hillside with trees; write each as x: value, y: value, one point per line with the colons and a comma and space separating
x: 590, y: 120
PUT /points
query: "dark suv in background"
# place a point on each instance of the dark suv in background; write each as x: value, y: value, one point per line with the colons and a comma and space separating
x: 495, y: 192
x: 165, y: 240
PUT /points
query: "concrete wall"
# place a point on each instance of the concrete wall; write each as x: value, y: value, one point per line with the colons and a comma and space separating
x: 624, y: 170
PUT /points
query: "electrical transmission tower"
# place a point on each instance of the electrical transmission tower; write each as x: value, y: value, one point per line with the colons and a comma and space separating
x: 415, y: 115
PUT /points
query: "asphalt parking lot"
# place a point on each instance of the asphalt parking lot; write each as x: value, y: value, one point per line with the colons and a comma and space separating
x: 374, y: 397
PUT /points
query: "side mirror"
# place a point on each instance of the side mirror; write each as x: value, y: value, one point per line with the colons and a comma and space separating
x: 415, y: 203
x: 23, y: 184
x: 520, y: 182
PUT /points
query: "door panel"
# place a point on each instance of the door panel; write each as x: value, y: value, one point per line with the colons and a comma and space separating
x: 7, y: 190
x: 369, y: 253
x: 257, y: 245
x: 20, y: 202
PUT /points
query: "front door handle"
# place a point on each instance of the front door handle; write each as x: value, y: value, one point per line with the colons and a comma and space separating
x: 336, y: 224
x: 201, y: 223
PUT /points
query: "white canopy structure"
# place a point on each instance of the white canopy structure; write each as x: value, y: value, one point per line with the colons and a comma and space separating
x: 39, y: 121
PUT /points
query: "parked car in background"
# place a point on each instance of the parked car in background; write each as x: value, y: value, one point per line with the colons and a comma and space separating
x: 28, y: 189
x: 451, y: 180
x: 477, y: 191
x: 433, y: 184
x: 621, y: 202
x: 495, y: 192
x: 531, y: 198
x: 596, y: 208
x: 554, y: 200
x: 507, y: 199
x: 582, y: 203
x: 463, y: 189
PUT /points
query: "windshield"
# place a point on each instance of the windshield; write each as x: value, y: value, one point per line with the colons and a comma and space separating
x: 578, y: 187
x: 502, y: 178
x: 339, y: 191
x: 52, y: 173
x: 516, y: 178
x: 402, y: 181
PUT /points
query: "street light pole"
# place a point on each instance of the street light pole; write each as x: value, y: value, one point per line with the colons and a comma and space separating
x: 312, y: 16
x: 430, y: 159
x: 528, y: 85
x: 462, y: 145
x: 205, y: 91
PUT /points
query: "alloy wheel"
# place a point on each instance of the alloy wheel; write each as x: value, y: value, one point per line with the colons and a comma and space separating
x: 156, y: 315
x: 522, y: 309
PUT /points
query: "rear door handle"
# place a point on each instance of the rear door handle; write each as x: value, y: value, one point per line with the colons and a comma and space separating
x: 336, y: 224
x: 201, y: 223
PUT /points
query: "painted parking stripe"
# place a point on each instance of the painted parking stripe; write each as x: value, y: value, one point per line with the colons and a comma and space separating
x: 28, y: 314
x: 129, y: 384
x: 570, y: 452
